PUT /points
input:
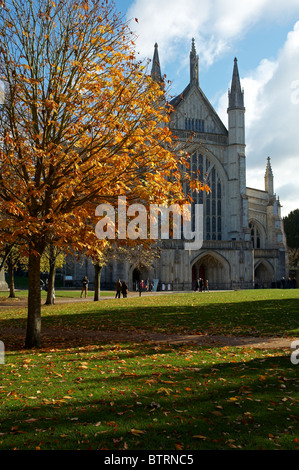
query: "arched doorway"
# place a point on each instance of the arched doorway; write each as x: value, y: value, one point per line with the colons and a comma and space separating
x: 213, y: 268
x: 198, y: 272
x: 139, y: 274
x: 263, y: 274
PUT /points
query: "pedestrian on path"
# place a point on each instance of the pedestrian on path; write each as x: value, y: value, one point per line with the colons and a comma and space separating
x: 140, y: 287
x: 85, y: 282
x: 118, y: 289
x: 124, y: 289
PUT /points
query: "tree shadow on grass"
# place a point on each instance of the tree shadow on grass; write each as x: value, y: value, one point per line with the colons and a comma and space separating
x: 251, y: 318
x: 217, y: 406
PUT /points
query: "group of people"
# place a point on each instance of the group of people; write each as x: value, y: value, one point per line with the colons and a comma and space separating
x: 143, y: 286
x: 201, y: 285
x: 121, y: 287
x: 289, y: 283
x: 139, y: 286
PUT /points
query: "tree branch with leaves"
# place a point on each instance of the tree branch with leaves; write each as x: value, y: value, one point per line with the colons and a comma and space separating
x: 82, y: 123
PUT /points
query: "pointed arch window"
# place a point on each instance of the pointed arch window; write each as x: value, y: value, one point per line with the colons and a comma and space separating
x: 255, y: 236
x: 200, y: 166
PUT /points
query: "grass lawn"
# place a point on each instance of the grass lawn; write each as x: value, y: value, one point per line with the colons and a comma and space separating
x: 59, y: 293
x: 141, y: 396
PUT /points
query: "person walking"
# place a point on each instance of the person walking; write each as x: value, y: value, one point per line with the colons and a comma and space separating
x: 118, y: 289
x: 84, y: 282
x: 140, y: 287
x: 124, y: 289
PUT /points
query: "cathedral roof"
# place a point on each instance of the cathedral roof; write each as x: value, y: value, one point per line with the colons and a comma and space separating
x: 194, y: 84
x: 175, y: 102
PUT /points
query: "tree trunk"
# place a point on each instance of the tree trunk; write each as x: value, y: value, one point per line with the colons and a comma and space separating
x: 51, y: 280
x: 11, y: 281
x: 34, y: 302
x: 97, y: 281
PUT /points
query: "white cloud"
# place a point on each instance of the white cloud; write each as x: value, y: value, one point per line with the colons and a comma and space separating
x: 254, y: 86
x: 214, y: 24
x: 272, y: 112
x: 276, y: 131
x: 166, y: 22
x: 271, y: 90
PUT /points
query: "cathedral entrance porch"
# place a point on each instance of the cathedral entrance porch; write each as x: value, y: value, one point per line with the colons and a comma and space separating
x: 263, y: 274
x: 214, y: 268
x: 139, y: 274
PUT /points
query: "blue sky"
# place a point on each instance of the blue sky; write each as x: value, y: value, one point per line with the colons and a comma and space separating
x: 264, y: 36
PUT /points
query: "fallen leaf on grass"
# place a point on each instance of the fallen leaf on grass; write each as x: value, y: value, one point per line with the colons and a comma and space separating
x: 165, y: 390
x: 179, y: 446
x: 217, y: 413
x: 137, y: 432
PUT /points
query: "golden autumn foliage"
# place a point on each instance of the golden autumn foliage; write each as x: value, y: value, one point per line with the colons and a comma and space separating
x: 82, y: 123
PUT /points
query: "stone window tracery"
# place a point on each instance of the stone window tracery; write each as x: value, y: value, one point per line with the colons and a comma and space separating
x: 255, y: 235
x: 201, y: 167
x: 197, y: 125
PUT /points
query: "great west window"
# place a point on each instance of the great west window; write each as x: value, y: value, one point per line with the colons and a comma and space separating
x: 201, y: 168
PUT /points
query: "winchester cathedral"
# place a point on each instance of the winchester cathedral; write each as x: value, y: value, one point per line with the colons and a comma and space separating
x: 244, y: 242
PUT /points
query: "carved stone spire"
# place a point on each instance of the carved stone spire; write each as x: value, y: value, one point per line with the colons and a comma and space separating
x: 194, y: 75
x: 156, y: 69
x: 269, y: 179
x: 236, y: 96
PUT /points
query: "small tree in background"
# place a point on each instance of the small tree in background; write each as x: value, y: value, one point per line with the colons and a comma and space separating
x: 291, y: 227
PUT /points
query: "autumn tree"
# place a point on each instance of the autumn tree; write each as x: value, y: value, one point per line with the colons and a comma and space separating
x: 10, y: 258
x: 52, y: 258
x: 82, y: 122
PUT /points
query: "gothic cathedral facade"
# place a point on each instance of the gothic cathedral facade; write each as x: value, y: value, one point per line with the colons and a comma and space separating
x: 244, y: 242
